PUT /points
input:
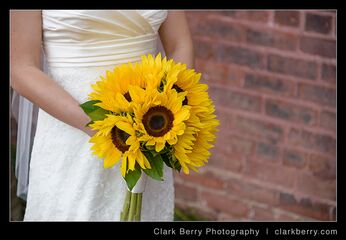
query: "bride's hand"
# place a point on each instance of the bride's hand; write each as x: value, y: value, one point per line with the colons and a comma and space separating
x: 89, y: 131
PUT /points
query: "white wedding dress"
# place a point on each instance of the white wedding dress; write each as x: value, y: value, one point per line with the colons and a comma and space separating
x: 67, y: 182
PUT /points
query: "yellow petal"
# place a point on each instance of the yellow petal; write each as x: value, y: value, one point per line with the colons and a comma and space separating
x: 173, y: 140
x: 112, y: 158
x: 182, y: 115
x: 132, y: 161
x: 126, y: 127
x: 140, y: 159
x: 159, y: 146
x: 124, y: 165
x: 151, y: 142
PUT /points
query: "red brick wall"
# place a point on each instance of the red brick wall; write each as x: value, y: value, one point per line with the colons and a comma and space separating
x: 272, y: 77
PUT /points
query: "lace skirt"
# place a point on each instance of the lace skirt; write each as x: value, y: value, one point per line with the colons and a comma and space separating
x: 68, y: 183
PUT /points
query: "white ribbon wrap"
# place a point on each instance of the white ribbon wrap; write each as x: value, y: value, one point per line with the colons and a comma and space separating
x: 140, y: 185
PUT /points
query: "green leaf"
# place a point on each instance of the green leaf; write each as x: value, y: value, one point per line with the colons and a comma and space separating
x: 156, y: 163
x: 171, y: 161
x: 91, y: 122
x: 167, y: 161
x: 96, y: 113
x: 150, y: 148
x: 177, y: 166
x: 175, y: 163
x: 163, y: 151
x: 154, y: 153
x: 132, y: 177
x: 89, y: 106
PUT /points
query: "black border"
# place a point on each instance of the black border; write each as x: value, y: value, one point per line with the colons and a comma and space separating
x: 145, y: 230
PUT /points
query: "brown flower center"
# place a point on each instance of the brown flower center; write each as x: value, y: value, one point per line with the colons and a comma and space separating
x: 158, y: 121
x: 127, y: 96
x: 178, y: 89
x: 119, y: 138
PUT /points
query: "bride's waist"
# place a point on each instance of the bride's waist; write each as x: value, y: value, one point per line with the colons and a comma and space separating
x: 97, y: 54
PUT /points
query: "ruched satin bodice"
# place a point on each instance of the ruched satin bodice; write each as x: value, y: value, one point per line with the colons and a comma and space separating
x: 87, y: 38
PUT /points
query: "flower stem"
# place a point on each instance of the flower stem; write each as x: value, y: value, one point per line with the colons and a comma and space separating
x: 124, y: 214
x: 138, y: 207
x: 133, y: 204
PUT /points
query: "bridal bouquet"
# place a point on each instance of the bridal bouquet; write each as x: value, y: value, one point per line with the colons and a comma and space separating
x: 148, y: 114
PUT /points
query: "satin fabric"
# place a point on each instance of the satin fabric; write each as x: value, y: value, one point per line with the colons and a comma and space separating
x: 82, y: 38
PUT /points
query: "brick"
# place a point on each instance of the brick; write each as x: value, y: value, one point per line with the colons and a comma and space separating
x: 205, y: 215
x: 287, y: 18
x: 251, y: 191
x: 229, y: 152
x: 226, y: 123
x: 328, y: 120
x: 271, y: 173
x: 318, y: 23
x: 333, y: 214
x: 222, y: 203
x: 215, y: 28
x: 219, y: 73
x: 185, y: 193
x: 204, y: 50
x: 304, y: 206
x: 315, y: 186
x: 295, y: 158
x: 269, y: 85
x: 290, y: 112
x: 312, y: 141
x: 233, y: 99
x: 292, y: 66
x: 223, y: 159
x: 267, y: 151
x: 256, y: 16
x: 322, y: 167
x: 206, y: 179
x: 317, y: 46
x: 263, y: 214
x: 239, y: 145
x: 228, y: 217
x: 286, y: 216
x: 239, y: 55
x: 334, y: 28
x: 227, y: 13
x: 259, y: 129
x: 272, y: 39
x: 317, y: 94
x: 328, y: 72
x: 224, y: 156
x: 223, y: 53
x: 197, y: 15
x: 198, y: 214
x: 211, y: 70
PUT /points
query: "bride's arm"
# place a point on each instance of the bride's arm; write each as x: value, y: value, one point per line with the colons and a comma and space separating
x: 176, y: 38
x: 27, y: 78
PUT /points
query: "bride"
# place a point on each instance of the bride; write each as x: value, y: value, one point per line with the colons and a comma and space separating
x: 67, y: 182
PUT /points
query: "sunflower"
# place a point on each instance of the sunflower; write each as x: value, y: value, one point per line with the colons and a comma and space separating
x: 113, y: 90
x: 192, y: 148
x: 159, y: 117
x: 187, y: 81
x: 117, y: 138
x: 152, y: 70
x: 157, y: 71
